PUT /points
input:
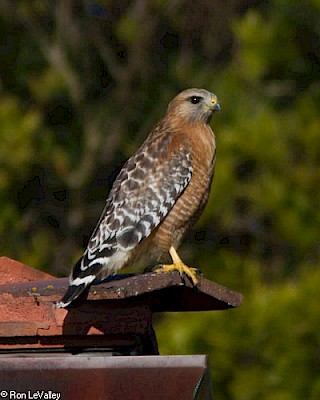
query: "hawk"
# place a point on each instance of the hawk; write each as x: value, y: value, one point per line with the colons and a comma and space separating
x: 158, y: 195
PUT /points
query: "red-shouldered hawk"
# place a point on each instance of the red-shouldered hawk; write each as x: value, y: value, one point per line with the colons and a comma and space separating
x: 159, y: 193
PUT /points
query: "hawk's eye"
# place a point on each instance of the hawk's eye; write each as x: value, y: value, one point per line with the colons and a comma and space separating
x: 195, y: 99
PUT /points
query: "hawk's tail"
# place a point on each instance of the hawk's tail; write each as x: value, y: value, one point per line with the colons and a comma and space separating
x: 77, y: 286
x: 71, y: 294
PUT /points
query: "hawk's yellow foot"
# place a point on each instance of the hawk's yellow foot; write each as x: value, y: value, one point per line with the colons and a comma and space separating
x: 178, y: 265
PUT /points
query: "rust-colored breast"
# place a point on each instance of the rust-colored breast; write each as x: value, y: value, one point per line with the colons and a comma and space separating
x: 191, y: 203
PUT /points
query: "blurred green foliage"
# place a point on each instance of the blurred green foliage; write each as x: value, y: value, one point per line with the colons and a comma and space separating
x: 82, y: 83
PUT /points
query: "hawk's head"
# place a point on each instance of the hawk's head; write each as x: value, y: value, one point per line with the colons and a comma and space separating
x: 195, y: 105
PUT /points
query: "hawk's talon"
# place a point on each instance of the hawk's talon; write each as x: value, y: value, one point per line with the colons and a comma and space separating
x: 197, y: 271
x: 182, y: 269
x: 178, y: 265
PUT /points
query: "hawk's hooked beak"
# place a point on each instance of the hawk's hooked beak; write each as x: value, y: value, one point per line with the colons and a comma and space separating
x: 213, y: 105
x: 216, y: 107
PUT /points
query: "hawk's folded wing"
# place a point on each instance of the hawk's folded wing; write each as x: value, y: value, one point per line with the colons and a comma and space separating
x: 144, y: 192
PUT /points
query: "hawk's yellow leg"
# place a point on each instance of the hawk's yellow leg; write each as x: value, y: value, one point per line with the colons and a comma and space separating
x: 178, y: 265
